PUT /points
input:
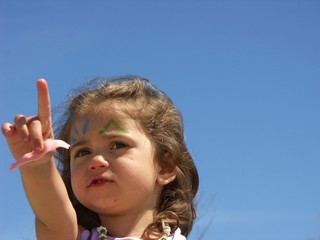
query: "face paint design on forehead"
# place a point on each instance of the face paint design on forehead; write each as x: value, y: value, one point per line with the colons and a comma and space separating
x: 85, y: 126
x: 112, y: 123
x: 84, y: 130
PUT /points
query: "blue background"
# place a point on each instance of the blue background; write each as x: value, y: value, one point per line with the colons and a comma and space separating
x: 245, y: 75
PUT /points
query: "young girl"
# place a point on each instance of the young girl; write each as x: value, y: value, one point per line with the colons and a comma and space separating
x: 127, y: 174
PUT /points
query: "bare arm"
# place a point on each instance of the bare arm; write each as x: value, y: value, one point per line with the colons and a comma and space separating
x: 55, y: 216
x: 46, y: 192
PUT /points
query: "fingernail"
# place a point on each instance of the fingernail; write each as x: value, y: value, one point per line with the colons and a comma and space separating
x: 26, y: 139
x: 7, y: 133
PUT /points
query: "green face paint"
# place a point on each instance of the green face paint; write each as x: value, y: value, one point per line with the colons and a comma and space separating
x: 112, y: 123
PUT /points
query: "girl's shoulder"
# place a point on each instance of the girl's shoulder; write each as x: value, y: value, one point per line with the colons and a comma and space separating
x: 95, y: 235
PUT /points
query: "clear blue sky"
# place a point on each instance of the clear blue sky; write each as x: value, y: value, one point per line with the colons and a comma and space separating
x: 245, y: 75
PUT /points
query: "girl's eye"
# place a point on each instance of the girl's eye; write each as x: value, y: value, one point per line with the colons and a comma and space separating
x: 118, y: 145
x: 82, y: 152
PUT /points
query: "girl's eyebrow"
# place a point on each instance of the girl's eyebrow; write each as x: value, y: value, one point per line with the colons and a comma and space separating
x: 77, y: 144
x: 112, y: 134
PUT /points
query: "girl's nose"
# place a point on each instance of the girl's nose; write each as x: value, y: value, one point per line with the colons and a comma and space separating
x: 98, y: 162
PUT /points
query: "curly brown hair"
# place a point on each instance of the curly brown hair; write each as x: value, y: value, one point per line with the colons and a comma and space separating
x: 162, y: 123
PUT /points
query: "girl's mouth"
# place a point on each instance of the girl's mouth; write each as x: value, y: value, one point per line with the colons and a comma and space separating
x: 96, y: 182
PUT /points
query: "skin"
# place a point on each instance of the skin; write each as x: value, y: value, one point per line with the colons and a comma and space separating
x: 47, y: 195
x: 125, y: 204
x: 111, y: 123
x: 75, y: 133
x: 125, y: 161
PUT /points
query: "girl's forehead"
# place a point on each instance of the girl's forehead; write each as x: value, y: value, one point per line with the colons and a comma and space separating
x: 103, y: 112
x: 102, y: 118
x: 97, y: 118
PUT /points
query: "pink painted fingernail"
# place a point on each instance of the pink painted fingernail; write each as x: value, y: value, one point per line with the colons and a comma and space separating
x: 26, y: 139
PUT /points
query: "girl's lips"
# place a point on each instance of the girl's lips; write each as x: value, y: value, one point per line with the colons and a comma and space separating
x: 99, y: 181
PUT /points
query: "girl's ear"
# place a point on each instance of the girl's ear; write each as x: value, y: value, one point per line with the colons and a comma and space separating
x: 168, y: 172
x: 166, y: 175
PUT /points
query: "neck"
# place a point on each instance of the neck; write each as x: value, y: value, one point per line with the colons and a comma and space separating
x: 129, y: 225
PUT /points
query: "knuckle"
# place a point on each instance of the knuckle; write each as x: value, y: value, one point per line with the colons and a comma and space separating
x: 33, y: 120
x: 19, y: 118
x: 34, y: 124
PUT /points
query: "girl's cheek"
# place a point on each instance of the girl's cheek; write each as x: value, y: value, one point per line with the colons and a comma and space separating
x: 74, y: 169
x: 78, y: 167
x: 76, y: 178
x: 71, y: 167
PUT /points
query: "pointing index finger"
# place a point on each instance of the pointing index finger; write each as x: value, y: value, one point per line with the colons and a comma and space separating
x: 44, y: 110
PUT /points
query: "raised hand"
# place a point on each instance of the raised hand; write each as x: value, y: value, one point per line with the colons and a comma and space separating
x: 31, y: 138
x: 27, y: 134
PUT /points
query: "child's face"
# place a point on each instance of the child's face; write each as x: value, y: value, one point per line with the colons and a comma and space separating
x: 113, y: 170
